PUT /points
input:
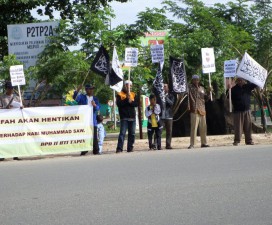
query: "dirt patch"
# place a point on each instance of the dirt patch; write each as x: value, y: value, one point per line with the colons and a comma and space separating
x: 184, y: 142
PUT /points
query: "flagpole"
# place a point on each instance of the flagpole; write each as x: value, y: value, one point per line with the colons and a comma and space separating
x: 210, y: 86
x: 114, y: 110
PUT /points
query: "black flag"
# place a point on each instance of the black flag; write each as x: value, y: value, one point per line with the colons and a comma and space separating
x: 177, y: 76
x: 101, y: 63
x: 158, y: 86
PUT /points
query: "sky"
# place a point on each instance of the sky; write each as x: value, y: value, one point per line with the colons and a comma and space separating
x: 127, y: 12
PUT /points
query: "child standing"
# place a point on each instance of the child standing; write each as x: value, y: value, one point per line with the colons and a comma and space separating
x: 154, y: 125
x: 101, y: 133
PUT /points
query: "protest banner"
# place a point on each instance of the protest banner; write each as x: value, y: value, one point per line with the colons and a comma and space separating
x: 157, y: 53
x: 208, y: 63
x: 230, y: 67
x: 252, y: 71
x: 17, y: 78
x: 131, y: 57
x: 208, y: 60
x: 27, y: 41
x: 45, y: 130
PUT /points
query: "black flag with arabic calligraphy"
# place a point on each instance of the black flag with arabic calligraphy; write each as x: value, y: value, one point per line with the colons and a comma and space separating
x: 101, y: 62
x: 177, y: 76
x: 158, y: 85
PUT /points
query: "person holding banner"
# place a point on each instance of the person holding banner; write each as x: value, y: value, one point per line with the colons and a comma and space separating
x: 240, y: 96
x: 126, y: 101
x: 196, y: 105
x: 9, y: 101
x: 93, y: 102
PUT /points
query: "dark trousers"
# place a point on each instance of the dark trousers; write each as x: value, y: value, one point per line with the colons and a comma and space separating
x: 124, y: 126
x: 150, y: 133
x: 95, y: 143
x: 242, y: 122
x: 168, y: 124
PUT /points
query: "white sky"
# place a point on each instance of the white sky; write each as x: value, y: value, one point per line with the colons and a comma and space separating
x: 127, y: 12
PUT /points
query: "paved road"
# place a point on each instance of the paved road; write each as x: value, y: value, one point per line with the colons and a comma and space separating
x: 198, y: 187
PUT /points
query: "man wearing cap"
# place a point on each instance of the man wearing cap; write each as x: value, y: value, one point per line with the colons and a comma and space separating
x: 9, y: 101
x: 126, y: 101
x: 196, y: 106
x: 92, y: 101
x: 240, y: 96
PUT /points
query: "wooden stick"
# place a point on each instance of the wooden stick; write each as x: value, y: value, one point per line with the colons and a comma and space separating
x: 230, y: 102
x: 210, y: 86
x: 19, y: 90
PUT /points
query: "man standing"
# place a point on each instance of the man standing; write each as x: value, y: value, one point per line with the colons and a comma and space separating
x: 167, y: 115
x: 240, y: 96
x: 196, y: 106
x: 92, y: 101
x: 9, y: 101
x: 126, y: 102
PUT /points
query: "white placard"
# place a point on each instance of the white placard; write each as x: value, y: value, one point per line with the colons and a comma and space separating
x: 208, y: 60
x: 157, y: 53
x: 17, y: 75
x: 230, y: 67
x: 26, y: 41
x: 131, y: 57
x: 252, y: 71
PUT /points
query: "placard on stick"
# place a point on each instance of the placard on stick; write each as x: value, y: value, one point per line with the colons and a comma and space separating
x: 17, y: 75
x: 131, y: 57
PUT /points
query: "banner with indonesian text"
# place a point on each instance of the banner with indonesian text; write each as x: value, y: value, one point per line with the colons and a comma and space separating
x: 45, y: 130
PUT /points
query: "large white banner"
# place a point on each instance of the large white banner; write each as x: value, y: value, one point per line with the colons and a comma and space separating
x: 45, y: 130
x: 131, y: 57
x: 252, y: 71
x: 26, y: 41
x: 208, y: 60
x: 157, y: 53
x: 230, y: 67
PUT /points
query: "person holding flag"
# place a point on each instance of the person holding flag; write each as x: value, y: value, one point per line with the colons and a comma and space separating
x: 126, y: 101
x: 240, y: 96
x: 92, y: 101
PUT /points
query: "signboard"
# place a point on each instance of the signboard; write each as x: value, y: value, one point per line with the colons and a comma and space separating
x: 208, y: 60
x: 154, y: 37
x: 252, y: 71
x: 45, y: 130
x: 26, y: 41
x: 157, y: 53
x: 17, y: 75
x: 230, y: 67
x: 131, y: 57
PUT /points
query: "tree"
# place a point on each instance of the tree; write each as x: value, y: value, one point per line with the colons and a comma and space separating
x: 20, y: 11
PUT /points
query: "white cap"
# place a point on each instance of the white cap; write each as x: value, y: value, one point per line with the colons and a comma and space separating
x: 195, y: 77
x: 128, y: 82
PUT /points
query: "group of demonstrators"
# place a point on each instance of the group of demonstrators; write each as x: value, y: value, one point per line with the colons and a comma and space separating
x: 159, y: 115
